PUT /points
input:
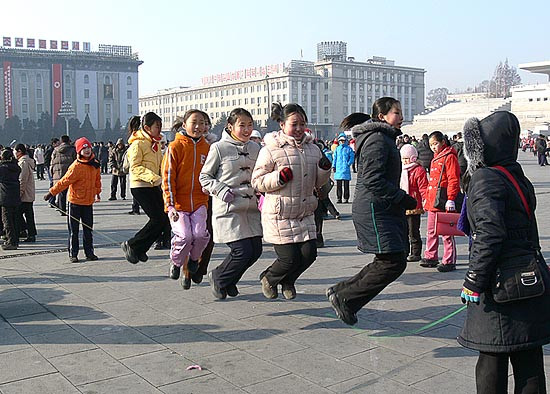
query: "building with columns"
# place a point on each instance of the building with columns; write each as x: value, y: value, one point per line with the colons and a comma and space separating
x: 329, y: 89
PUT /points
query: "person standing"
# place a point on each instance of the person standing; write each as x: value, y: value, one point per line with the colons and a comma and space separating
x: 342, y: 160
x: 25, y: 214
x: 378, y: 209
x: 540, y: 148
x: 10, y: 198
x: 425, y: 154
x: 39, y: 160
x: 226, y: 175
x: 116, y: 163
x: 504, y: 230
x: 145, y: 158
x: 62, y: 157
x: 289, y: 167
x: 103, y: 157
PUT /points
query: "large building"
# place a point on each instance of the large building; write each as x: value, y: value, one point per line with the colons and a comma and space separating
x: 102, y: 84
x: 329, y: 89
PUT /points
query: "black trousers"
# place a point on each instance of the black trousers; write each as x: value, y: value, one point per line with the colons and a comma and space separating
x: 150, y: 199
x: 104, y: 169
x: 25, y: 216
x: 415, y: 239
x: 40, y: 171
x: 244, y: 253
x: 326, y: 205
x: 11, y: 225
x: 358, y: 290
x: 292, y: 261
x: 528, y: 367
x: 77, y: 213
x: 542, y: 159
x: 135, y: 206
x: 339, y: 184
x: 62, y: 200
x: 114, y: 184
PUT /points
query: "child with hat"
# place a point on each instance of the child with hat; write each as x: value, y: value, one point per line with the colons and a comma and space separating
x: 84, y: 182
x: 415, y: 182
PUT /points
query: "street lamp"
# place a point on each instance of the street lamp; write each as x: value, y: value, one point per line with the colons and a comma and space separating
x: 66, y: 112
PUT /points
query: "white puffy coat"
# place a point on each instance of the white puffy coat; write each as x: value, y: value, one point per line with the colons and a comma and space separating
x: 229, y: 165
x: 287, y: 212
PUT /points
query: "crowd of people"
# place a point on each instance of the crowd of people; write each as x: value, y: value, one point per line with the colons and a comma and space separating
x: 242, y: 189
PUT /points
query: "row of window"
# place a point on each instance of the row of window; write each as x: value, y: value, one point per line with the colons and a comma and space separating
x: 107, y: 79
x: 538, y: 99
x: 68, y: 94
x: 39, y: 109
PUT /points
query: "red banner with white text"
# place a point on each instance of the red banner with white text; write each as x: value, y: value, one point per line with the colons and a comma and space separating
x: 57, y: 90
x: 8, y: 107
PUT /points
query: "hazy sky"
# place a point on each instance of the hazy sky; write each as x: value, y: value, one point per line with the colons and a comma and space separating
x: 458, y: 43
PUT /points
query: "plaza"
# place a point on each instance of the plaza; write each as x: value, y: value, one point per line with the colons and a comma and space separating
x: 108, y: 326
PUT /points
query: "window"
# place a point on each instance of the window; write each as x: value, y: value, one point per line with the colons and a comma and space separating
x: 129, y: 108
x: 326, y: 110
x: 23, y: 78
x: 39, y: 108
x: 129, y: 94
x: 253, y: 100
x: 284, y: 98
x: 284, y: 84
x: 86, y: 79
x: 108, y: 108
x: 325, y: 73
x: 107, y: 80
x: 67, y: 93
x: 67, y: 79
x: 39, y: 93
x: 326, y: 98
x: 240, y: 90
x: 25, y: 108
x: 129, y: 83
x: 245, y: 101
x: 278, y: 85
x: 86, y: 93
x: 24, y: 92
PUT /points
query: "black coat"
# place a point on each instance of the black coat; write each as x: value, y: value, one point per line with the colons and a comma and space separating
x: 377, y: 215
x: 425, y: 154
x: 501, y: 231
x: 9, y: 183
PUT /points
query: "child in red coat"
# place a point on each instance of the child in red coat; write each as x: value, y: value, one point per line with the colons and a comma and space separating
x: 415, y: 182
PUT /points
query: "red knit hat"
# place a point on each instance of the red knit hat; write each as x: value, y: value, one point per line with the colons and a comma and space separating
x: 82, y: 143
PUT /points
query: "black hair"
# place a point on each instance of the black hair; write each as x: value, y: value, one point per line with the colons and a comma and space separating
x: 353, y: 119
x: 21, y: 148
x: 180, y: 121
x: 133, y: 124
x: 383, y: 105
x: 65, y: 139
x: 439, y: 137
x: 232, y: 118
x: 7, y: 155
x: 281, y: 114
x: 206, y: 118
x: 149, y: 119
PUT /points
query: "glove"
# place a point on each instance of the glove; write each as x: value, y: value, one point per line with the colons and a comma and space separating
x: 468, y: 295
x: 173, y: 214
x: 228, y: 196
x: 285, y: 175
x: 408, y: 202
x: 450, y: 206
x: 205, y: 191
x: 324, y: 163
x: 47, y: 196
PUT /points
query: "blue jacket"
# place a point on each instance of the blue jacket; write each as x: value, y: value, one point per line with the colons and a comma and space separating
x: 343, y: 159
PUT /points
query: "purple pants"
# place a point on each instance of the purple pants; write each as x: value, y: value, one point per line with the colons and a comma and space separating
x: 190, y: 236
x: 432, y: 243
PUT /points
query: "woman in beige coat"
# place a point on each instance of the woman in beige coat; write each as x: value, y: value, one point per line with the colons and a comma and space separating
x: 288, y: 169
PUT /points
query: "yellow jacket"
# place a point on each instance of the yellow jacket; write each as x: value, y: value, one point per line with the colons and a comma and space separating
x: 144, y: 161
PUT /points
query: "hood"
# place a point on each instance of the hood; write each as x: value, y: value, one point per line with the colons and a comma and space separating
x: 139, y: 135
x: 227, y: 137
x: 64, y: 148
x: 279, y: 139
x: 28, y: 160
x: 370, y: 126
x: 491, y: 141
x: 342, y: 135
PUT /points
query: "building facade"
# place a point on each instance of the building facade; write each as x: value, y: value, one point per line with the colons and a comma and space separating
x: 102, y: 85
x: 329, y: 89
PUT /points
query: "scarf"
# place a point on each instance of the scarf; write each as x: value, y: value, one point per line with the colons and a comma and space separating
x: 404, y: 181
x: 155, y: 141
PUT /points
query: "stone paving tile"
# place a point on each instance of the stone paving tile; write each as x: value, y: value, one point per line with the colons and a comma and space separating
x: 20, y: 307
x: 286, y: 384
x: 448, y: 382
x: 122, y: 384
x: 194, y: 344
x: 23, y: 364
x: 318, y: 367
x: 60, y: 343
x: 38, y: 323
x: 203, y: 384
x: 241, y: 368
x: 53, y: 383
x: 372, y: 383
x: 218, y: 325
x: 453, y: 358
x: 94, y: 323
x: 263, y: 344
x: 125, y: 342
x: 11, y: 293
x: 70, y: 306
x: 11, y: 340
x: 88, y: 366
x: 163, y: 367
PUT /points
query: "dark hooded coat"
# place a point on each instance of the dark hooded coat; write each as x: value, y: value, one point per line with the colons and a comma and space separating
x: 378, y: 217
x: 425, y: 154
x: 9, y: 183
x: 501, y: 231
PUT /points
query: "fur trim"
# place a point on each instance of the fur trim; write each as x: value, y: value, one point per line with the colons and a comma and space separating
x: 473, y: 145
x: 368, y: 126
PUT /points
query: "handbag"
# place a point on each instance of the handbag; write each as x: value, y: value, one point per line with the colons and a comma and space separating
x: 521, y: 278
x: 441, y: 192
x: 446, y: 224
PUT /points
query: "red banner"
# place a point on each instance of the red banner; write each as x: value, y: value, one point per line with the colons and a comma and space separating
x: 7, y: 90
x: 57, y: 90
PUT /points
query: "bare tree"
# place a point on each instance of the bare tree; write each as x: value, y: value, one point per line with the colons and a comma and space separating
x: 437, y: 97
x: 504, y: 78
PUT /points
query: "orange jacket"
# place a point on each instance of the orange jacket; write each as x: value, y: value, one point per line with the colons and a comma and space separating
x: 450, y: 178
x: 83, y: 180
x: 181, y: 166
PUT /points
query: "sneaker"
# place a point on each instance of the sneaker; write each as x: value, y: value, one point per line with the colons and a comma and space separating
x: 342, y: 310
x: 129, y: 253
x: 289, y: 291
x: 428, y: 263
x: 73, y: 259
x: 92, y: 257
x: 232, y: 290
x: 112, y: 199
x: 142, y: 256
x: 446, y: 267
x: 9, y: 247
x: 174, y: 272
x: 30, y: 239
x: 192, y: 266
x: 220, y: 294
x: 268, y: 290
x: 413, y: 258
x: 197, y: 277
x: 186, y: 283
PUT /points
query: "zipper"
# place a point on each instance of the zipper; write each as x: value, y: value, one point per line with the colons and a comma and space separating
x: 193, y: 173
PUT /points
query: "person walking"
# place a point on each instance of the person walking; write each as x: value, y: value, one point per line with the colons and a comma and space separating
x: 378, y: 208
x: 116, y: 163
x: 540, y: 148
x: 10, y: 198
x: 343, y: 158
x: 144, y: 158
x: 288, y: 169
x: 501, y: 213
x: 62, y: 157
x: 39, y: 160
x: 226, y: 175
x: 25, y: 214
